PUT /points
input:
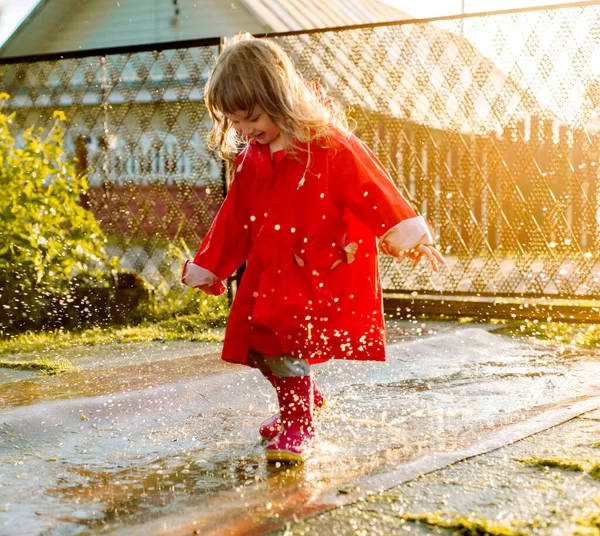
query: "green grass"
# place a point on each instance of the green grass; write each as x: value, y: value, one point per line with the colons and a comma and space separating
x: 46, y: 366
x: 591, y: 524
x: 582, y: 335
x: 184, y: 328
x: 172, y: 316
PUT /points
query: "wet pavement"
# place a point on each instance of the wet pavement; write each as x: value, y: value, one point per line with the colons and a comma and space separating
x: 499, y: 493
x: 163, y: 438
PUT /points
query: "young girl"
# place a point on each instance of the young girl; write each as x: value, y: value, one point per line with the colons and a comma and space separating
x: 307, y: 206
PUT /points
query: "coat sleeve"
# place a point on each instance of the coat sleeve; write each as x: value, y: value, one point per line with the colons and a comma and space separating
x: 361, y: 184
x: 227, y: 244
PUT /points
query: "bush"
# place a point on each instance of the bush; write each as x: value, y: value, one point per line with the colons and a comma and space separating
x: 178, y: 300
x: 50, y: 245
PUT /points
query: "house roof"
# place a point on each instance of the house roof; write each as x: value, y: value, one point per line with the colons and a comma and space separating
x: 51, y: 28
x: 286, y: 15
x: 39, y: 17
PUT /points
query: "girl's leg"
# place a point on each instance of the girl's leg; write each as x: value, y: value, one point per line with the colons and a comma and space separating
x: 285, y: 367
x: 288, y: 367
x: 272, y: 367
x: 294, y: 387
x: 272, y: 426
x: 259, y: 361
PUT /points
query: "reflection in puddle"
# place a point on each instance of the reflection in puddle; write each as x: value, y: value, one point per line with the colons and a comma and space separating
x: 129, y: 495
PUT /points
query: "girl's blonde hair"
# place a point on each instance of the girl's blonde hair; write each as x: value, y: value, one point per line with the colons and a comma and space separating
x: 251, y: 72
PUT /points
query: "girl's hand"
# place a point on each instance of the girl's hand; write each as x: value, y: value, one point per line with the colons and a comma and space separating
x: 421, y: 251
x: 197, y: 277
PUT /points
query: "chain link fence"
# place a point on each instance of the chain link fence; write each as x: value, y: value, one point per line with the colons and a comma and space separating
x: 137, y: 125
x: 488, y: 124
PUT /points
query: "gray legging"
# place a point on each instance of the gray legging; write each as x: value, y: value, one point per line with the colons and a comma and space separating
x: 280, y: 366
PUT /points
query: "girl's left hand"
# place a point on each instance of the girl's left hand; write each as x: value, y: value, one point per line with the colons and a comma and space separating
x: 421, y: 251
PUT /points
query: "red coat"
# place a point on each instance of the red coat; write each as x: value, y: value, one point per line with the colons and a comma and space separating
x: 309, y: 233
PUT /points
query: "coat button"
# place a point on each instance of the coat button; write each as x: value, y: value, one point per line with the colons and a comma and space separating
x: 299, y: 260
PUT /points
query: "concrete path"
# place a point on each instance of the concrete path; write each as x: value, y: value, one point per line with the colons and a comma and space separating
x: 151, y: 439
x: 547, y: 484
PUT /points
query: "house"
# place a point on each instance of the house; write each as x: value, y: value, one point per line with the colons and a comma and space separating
x: 68, y: 25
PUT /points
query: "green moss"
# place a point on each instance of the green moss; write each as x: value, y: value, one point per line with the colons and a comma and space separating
x: 186, y: 328
x: 468, y: 526
x: 566, y: 465
x: 46, y: 366
x: 385, y: 497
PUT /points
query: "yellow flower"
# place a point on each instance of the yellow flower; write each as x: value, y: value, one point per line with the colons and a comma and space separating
x: 4, y: 96
x: 59, y: 114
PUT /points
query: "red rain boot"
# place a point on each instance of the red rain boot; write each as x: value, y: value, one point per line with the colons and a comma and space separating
x: 272, y: 426
x: 295, y: 441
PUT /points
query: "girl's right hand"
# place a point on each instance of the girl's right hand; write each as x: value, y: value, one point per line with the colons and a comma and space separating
x: 420, y: 252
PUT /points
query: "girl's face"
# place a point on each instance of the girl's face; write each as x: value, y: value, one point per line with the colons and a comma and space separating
x: 256, y: 125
